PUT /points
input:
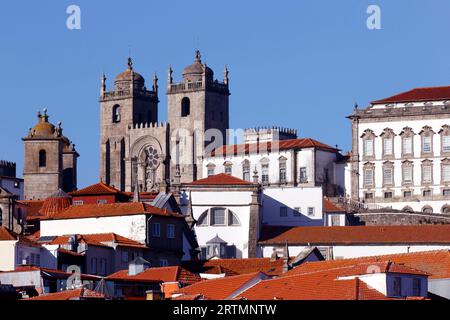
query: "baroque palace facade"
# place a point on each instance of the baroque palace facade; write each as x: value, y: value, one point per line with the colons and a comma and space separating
x: 401, y: 152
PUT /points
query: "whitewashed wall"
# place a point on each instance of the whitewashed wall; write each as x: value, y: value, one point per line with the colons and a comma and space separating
x: 7, y: 255
x: 290, y: 197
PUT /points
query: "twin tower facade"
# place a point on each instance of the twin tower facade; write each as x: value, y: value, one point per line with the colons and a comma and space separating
x: 139, y: 152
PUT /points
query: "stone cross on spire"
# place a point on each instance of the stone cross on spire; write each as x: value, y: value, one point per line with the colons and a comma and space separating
x: 198, y: 56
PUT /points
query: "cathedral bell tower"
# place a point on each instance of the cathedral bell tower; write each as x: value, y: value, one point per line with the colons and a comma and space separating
x: 127, y: 105
x: 196, y: 104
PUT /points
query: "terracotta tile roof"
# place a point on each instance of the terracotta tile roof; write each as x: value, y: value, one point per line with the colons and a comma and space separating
x: 411, y: 234
x: 96, y: 189
x: 71, y: 253
x: 218, y: 289
x: 221, y: 179
x: 189, y: 297
x: 75, y: 294
x: 329, y: 206
x: 419, y: 94
x: 249, y: 148
x: 111, y: 209
x: 31, y: 207
x: 434, y: 263
x: 100, y: 239
x: 161, y: 274
x: 55, y: 204
x: 235, y: 266
x: 324, y: 284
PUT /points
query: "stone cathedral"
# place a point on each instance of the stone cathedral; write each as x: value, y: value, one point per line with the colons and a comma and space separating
x: 138, y: 151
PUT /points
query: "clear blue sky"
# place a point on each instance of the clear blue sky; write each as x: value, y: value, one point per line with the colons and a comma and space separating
x: 299, y: 64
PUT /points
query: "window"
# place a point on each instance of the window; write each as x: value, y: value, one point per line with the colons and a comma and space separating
x: 246, y: 170
x: 426, y: 144
x: 426, y: 193
x: 407, y: 173
x: 203, y: 219
x: 103, y: 266
x: 232, y: 219
x: 283, y: 212
x: 310, y: 211
x: 171, y: 231
x: 102, y: 201
x: 417, y: 289
x: 368, y: 177
x: 116, y: 114
x: 42, y: 159
x: 297, y: 212
x: 218, y: 216
x: 368, y: 148
x: 93, y: 265
x: 446, y: 143
x: 335, y: 220
x: 388, y: 195
x: 427, y: 174
x: 185, y: 107
x: 446, y: 192
x: 163, y: 262
x: 265, y: 173
x: 387, y: 146
x: 387, y: 176
x: 303, y: 175
x: 78, y: 202
x: 446, y: 173
x: 156, y: 229
x: 368, y: 196
x: 211, y: 169
x: 397, y: 287
x: 427, y: 209
x: 445, y: 209
x: 407, y: 194
x: 125, y: 256
x: 228, y: 167
x: 282, y: 172
x: 407, y: 145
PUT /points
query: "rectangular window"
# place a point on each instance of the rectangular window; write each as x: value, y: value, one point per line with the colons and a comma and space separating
x: 445, y: 143
x: 156, y: 229
x: 417, y: 290
x: 426, y: 174
x: 407, y: 145
x: 297, y: 212
x: 171, y: 231
x: 426, y: 144
x: 94, y: 265
x: 282, y: 172
x: 211, y: 171
x: 446, y: 173
x: 368, y: 196
x: 387, y: 176
x: 102, y: 201
x: 265, y: 173
x: 228, y: 170
x: 303, y: 175
x: 387, y: 147
x: 368, y: 177
x: 407, y: 174
x: 78, y: 202
x: 125, y: 256
x: 388, y: 195
x: 218, y: 216
x: 407, y: 194
x: 246, y: 176
x: 335, y: 220
x: 446, y: 192
x: 397, y: 287
x: 310, y: 211
x: 283, y: 212
x: 368, y: 148
x: 163, y: 263
x: 426, y: 193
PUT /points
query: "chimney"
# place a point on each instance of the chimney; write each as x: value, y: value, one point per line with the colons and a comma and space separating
x: 155, y: 295
x: 286, y: 266
x: 137, y: 266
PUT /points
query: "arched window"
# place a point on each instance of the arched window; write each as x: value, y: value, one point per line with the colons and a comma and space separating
x: 446, y: 209
x: 233, y: 219
x: 42, y: 158
x: 116, y: 113
x: 427, y: 209
x: 185, y: 107
x: 408, y: 209
x: 203, y: 219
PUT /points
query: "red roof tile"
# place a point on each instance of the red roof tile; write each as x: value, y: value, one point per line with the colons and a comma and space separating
x: 411, y: 234
x: 221, y: 179
x: 260, y: 147
x: 96, y: 189
x: 434, y: 263
x: 7, y: 235
x: 75, y: 294
x: 329, y: 206
x: 111, y: 209
x: 235, y: 266
x: 32, y: 208
x: 162, y: 274
x: 218, y: 289
x: 418, y: 94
